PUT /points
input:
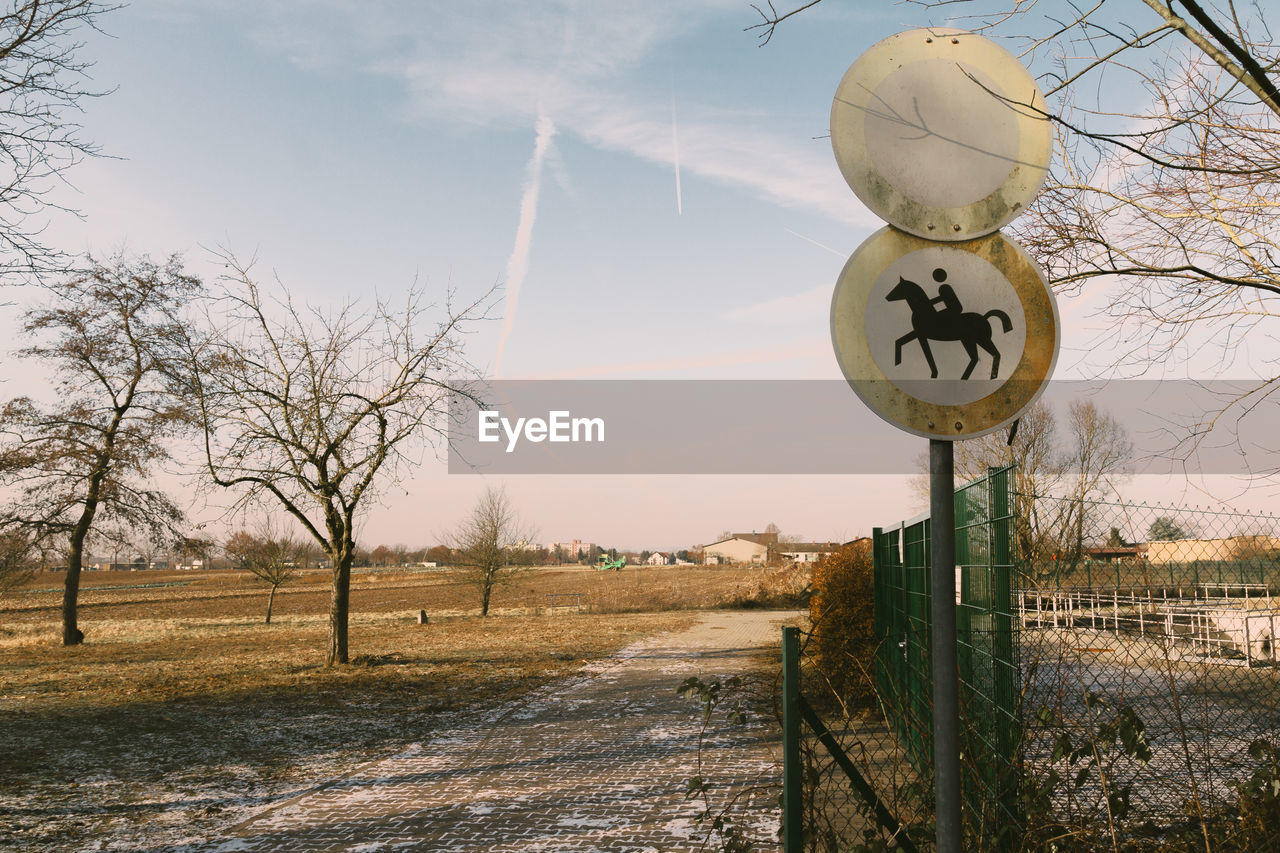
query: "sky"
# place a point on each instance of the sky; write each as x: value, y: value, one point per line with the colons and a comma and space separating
x: 652, y: 189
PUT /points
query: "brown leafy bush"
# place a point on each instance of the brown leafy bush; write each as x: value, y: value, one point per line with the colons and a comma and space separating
x: 842, y: 611
x: 785, y: 588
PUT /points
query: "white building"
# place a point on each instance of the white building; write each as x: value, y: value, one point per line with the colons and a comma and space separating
x: 806, y: 552
x: 572, y: 549
x: 735, y: 550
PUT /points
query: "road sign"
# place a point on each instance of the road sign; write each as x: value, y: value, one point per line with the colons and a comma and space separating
x: 941, y: 133
x: 944, y: 340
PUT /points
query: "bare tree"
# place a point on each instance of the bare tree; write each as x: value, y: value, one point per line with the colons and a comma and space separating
x: 17, y: 559
x: 1171, y: 203
x: 239, y: 549
x: 270, y: 555
x: 314, y: 411
x: 1100, y: 453
x: 43, y: 81
x: 110, y: 335
x: 1222, y: 35
x: 1057, y: 475
x: 489, y: 546
x: 1039, y: 463
x: 195, y: 548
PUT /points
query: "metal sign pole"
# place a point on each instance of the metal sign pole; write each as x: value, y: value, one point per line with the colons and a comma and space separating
x: 946, y: 687
x: 945, y: 181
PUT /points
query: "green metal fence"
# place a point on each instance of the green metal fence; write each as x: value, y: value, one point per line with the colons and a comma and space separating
x: 986, y: 648
x: 1120, y: 682
x: 868, y: 771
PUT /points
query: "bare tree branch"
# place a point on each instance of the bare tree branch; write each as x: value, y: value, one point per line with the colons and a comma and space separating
x: 43, y: 82
x: 771, y: 19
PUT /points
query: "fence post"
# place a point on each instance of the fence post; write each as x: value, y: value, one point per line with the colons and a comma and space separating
x: 792, y: 807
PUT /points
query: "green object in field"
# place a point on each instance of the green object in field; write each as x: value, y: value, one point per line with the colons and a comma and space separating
x: 606, y: 564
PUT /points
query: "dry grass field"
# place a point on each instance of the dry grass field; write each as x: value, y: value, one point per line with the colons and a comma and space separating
x: 183, y: 711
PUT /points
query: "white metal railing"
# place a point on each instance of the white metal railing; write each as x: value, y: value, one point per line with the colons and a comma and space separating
x: 1235, y: 629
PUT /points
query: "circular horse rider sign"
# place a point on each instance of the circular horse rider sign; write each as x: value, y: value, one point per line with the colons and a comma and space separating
x: 945, y: 340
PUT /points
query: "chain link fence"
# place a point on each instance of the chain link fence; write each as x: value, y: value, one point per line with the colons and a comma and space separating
x: 1149, y: 679
x: 1119, y: 682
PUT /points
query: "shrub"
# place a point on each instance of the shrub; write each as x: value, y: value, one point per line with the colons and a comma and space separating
x: 842, y: 611
x: 787, y: 588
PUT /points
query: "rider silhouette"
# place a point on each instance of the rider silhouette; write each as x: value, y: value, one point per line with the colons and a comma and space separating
x: 948, y: 323
x: 951, y: 310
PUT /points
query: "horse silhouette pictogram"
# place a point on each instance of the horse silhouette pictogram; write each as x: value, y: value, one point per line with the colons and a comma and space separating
x: 951, y: 323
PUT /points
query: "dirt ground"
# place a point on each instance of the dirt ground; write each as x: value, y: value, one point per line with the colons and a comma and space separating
x: 231, y: 594
x: 182, y: 706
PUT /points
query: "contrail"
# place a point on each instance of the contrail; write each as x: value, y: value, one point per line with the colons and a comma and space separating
x: 518, y: 263
x: 815, y: 242
x: 675, y: 149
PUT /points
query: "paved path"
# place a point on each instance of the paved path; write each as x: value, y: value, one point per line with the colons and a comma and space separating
x: 597, y: 762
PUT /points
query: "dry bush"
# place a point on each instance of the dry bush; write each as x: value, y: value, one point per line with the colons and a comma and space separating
x: 786, y: 588
x: 842, y: 611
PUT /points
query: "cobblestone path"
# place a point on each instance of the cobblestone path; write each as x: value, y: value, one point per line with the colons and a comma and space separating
x: 597, y: 762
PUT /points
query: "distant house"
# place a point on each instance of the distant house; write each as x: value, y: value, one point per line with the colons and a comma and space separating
x: 740, y: 548
x: 1227, y: 549
x: 1113, y: 553
x: 806, y: 552
x: 658, y: 558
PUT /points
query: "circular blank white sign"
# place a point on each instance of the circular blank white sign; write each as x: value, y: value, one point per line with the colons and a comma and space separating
x: 942, y: 133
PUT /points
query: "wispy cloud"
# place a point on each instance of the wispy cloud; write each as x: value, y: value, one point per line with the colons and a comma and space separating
x: 518, y: 262
x: 797, y: 176
x: 795, y: 307
x: 496, y: 63
x: 810, y: 349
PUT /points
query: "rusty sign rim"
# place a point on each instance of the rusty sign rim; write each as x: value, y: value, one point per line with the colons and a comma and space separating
x: 878, y: 192
x: 1015, y: 395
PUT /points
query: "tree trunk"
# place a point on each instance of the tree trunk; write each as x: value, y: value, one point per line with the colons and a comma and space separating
x: 71, y: 633
x: 339, y: 607
x: 271, y: 597
x: 485, y: 590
